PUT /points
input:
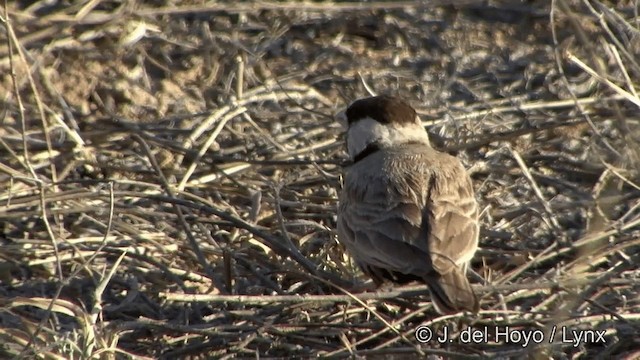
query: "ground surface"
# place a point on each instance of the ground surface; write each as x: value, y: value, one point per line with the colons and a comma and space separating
x: 155, y: 150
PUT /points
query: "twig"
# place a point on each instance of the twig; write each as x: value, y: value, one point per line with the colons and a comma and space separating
x: 295, y: 6
x: 11, y: 39
x: 409, y: 292
x: 553, y: 221
x: 620, y: 91
x: 192, y: 240
x: 556, y: 51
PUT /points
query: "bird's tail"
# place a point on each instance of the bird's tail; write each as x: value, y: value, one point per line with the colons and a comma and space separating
x: 452, y: 292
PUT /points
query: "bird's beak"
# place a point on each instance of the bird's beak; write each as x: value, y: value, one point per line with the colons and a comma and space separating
x: 342, y: 119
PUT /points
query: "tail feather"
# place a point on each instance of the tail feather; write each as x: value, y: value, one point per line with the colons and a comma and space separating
x: 452, y: 292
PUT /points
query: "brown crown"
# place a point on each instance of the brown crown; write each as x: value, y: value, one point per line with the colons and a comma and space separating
x: 384, y: 109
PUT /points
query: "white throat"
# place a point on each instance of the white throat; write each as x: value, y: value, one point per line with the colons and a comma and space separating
x: 368, y: 131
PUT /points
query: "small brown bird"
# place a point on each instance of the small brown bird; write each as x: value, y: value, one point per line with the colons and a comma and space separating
x: 407, y: 212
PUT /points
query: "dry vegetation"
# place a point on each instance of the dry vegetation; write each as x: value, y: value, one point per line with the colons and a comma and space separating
x: 169, y: 172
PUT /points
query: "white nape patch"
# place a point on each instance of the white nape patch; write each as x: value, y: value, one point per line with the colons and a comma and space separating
x: 366, y: 131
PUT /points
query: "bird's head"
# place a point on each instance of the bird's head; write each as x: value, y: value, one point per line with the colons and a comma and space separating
x: 380, y: 121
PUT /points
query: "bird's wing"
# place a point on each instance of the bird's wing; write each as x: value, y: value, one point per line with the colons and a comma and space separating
x: 452, y: 213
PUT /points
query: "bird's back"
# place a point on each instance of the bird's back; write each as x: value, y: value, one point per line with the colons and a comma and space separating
x: 408, y: 212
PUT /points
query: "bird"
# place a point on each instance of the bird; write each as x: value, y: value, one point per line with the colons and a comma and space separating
x: 406, y: 212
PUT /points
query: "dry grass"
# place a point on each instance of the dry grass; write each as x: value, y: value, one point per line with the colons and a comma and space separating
x: 169, y: 174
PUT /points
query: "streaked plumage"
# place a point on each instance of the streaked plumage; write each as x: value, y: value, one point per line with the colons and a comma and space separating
x: 407, y: 212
